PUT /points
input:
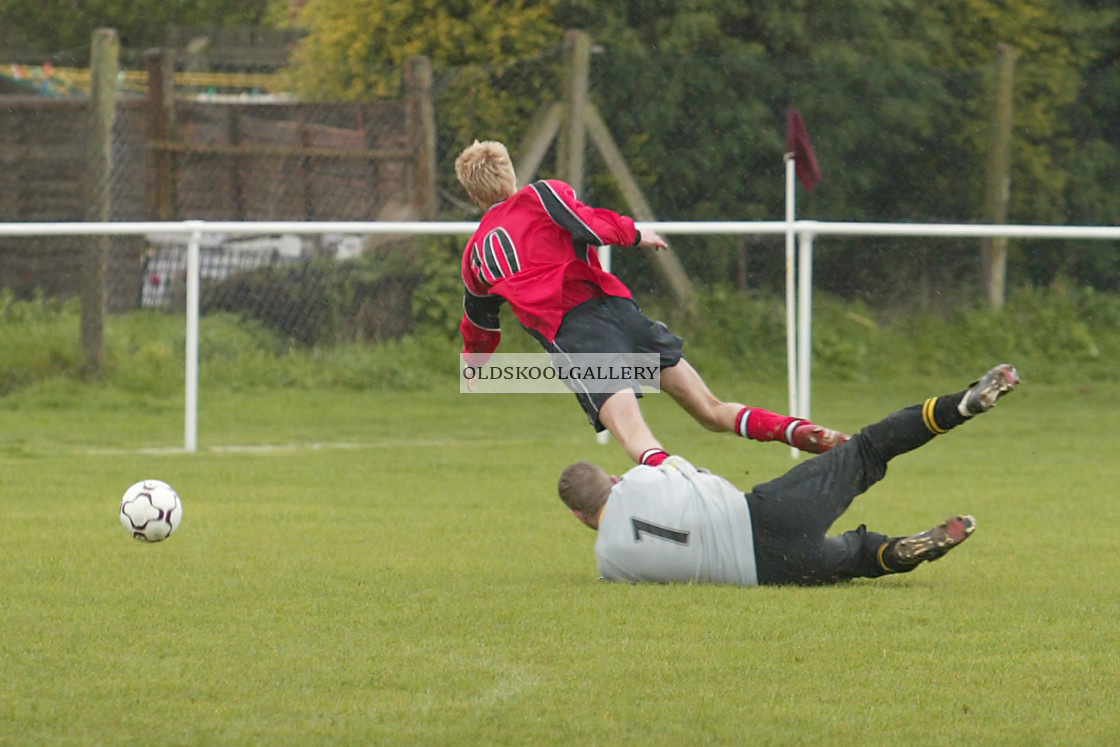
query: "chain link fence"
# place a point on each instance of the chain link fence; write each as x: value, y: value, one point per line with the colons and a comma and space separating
x: 209, y: 135
x: 219, y: 153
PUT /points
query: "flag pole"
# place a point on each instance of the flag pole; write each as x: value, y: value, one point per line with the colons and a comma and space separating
x: 791, y: 312
x: 801, y: 164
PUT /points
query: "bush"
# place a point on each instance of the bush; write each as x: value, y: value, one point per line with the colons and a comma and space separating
x: 39, y: 338
x: 1051, y: 334
x: 325, y: 301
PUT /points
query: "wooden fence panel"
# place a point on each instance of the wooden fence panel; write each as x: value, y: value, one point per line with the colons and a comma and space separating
x: 227, y: 160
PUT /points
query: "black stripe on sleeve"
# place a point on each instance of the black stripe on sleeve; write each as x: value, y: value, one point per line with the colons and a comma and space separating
x: 482, y: 311
x: 563, y: 215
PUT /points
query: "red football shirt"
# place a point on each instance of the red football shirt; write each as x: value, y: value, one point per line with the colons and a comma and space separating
x: 536, y: 250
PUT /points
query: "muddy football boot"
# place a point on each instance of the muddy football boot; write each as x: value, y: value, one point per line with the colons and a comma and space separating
x: 907, y: 552
x: 982, y: 394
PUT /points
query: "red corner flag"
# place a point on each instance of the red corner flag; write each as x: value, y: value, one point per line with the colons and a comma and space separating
x: 797, y: 143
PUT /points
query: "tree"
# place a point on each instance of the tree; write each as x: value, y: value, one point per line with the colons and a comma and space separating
x: 896, y: 97
x: 1057, y: 44
x: 697, y: 95
x: 60, y: 30
x: 1094, y: 160
x: 351, y: 44
x: 492, y: 60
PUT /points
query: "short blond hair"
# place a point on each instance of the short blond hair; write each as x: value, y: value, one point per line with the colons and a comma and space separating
x: 486, y: 171
x: 584, y: 487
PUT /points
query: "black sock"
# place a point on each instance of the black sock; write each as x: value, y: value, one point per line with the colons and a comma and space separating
x: 940, y: 413
x: 888, y: 561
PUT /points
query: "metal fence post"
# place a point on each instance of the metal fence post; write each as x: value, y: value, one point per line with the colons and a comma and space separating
x: 190, y: 419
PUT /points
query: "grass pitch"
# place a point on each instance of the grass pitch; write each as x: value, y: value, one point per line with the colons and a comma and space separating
x: 387, y: 568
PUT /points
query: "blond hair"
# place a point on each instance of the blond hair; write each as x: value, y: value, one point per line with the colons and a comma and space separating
x: 486, y: 171
x: 584, y: 487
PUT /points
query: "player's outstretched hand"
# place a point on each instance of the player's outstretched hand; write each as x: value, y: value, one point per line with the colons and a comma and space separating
x: 652, y: 239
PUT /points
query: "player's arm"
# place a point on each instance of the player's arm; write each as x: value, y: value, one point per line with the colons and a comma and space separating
x: 591, y: 225
x: 480, y: 326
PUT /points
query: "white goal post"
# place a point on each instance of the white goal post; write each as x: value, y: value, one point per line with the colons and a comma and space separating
x: 799, y: 334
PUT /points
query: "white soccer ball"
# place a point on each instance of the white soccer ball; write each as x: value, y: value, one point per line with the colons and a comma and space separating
x: 151, y: 510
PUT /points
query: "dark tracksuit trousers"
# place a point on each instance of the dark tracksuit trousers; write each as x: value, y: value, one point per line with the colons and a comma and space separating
x: 792, y: 513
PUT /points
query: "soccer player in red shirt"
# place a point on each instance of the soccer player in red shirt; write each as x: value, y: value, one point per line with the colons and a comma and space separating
x: 535, y: 248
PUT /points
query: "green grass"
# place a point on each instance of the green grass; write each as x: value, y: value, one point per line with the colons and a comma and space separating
x: 398, y: 570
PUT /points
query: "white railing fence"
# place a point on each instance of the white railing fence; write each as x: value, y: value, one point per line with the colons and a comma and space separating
x: 799, y: 321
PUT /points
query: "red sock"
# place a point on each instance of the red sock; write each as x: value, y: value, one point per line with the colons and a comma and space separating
x: 653, y: 457
x: 763, y: 425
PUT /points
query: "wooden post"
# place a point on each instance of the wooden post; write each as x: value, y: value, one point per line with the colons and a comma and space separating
x: 997, y: 192
x: 665, y: 261
x: 233, y: 133
x: 420, y: 121
x: 741, y: 278
x: 99, y: 166
x: 303, y: 139
x: 160, y: 64
x: 538, y: 139
x: 572, y: 123
x: 577, y: 45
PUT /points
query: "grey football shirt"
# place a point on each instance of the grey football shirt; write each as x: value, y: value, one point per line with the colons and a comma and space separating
x: 675, y: 523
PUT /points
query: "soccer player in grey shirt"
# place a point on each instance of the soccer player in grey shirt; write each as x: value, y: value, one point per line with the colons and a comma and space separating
x: 674, y: 522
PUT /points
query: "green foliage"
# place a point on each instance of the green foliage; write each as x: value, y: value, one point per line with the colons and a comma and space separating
x: 61, y: 29
x: 494, y: 62
x: 1044, y: 331
x: 326, y: 301
x: 897, y: 97
x: 437, y: 303
x: 1051, y: 334
x: 725, y: 73
x: 1047, y: 332
x: 237, y: 356
x: 38, y: 339
x: 354, y: 49
x: 145, y: 355
x: 733, y: 330
x: 1057, y: 46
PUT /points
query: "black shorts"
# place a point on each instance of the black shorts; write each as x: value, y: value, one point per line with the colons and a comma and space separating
x: 610, y: 324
